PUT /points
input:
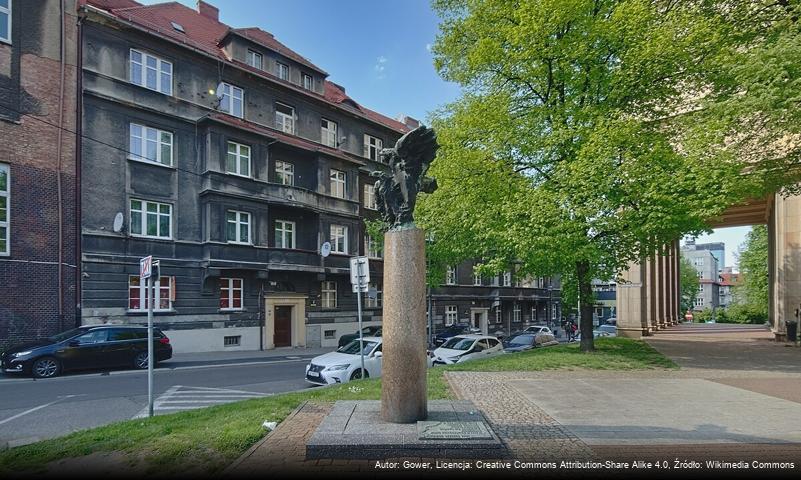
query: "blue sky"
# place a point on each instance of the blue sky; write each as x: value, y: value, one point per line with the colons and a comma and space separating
x: 377, y: 50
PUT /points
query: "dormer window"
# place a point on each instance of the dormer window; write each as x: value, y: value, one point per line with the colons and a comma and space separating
x: 255, y: 60
x: 282, y: 71
x: 308, y: 82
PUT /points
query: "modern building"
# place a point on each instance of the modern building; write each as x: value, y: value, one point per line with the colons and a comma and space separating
x: 717, y: 249
x: 605, y: 301
x: 504, y: 302
x: 39, y: 278
x: 706, y: 264
x: 231, y: 159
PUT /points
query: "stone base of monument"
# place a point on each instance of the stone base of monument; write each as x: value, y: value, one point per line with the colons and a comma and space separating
x: 453, y: 429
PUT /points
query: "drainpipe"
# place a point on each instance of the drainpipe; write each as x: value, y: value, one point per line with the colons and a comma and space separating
x: 60, y: 136
x: 261, y: 316
x: 78, y: 154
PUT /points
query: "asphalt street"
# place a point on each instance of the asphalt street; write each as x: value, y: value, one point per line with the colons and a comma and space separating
x: 32, y: 410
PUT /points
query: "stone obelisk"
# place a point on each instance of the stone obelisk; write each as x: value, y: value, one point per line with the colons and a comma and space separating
x: 403, y: 371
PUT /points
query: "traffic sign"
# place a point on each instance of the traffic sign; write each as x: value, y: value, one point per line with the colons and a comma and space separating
x: 145, y: 267
x: 359, y: 274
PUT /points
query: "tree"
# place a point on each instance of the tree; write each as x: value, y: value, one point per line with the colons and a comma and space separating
x: 564, y: 153
x: 688, y: 282
x: 752, y: 293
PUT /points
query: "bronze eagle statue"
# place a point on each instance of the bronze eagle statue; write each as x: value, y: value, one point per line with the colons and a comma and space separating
x: 396, y: 191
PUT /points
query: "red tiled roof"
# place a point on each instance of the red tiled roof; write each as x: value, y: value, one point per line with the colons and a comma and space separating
x: 731, y: 279
x: 205, y: 34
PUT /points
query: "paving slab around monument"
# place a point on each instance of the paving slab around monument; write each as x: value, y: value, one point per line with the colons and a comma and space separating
x: 453, y: 429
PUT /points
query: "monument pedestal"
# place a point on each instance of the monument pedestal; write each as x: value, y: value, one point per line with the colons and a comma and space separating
x: 404, y: 363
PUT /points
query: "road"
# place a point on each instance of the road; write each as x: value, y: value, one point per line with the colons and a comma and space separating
x: 32, y: 410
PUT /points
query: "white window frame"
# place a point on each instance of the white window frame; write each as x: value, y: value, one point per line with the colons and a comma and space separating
x: 507, y: 279
x: 142, y: 287
x: 285, y: 171
x: 284, y: 229
x: 370, y: 202
x: 516, y: 313
x: 143, y: 67
x: 240, y: 218
x: 328, y: 294
x: 230, y: 288
x: 143, y: 218
x: 307, y: 85
x: 231, y: 96
x: 699, y: 301
x: 328, y: 135
x: 370, y: 247
x: 451, y: 315
x: 6, y: 224
x: 241, y: 152
x: 282, y: 71
x: 140, y: 142
x: 7, y: 11
x: 338, y: 183
x: 450, y: 275
x: 338, y: 233
x: 254, y: 57
x: 285, y: 122
x: 476, y: 279
x: 495, y: 281
x: 553, y: 312
x: 372, y: 147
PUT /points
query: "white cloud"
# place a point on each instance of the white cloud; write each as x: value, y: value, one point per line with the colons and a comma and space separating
x: 380, y: 67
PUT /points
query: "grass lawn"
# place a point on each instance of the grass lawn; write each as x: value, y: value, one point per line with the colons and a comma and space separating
x: 210, y: 439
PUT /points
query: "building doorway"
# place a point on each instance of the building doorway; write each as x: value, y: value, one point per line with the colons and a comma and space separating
x: 478, y: 319
x: 283, y: 326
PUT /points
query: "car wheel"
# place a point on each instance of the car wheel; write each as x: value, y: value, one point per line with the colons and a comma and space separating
x: 46, y: 367
x: 357, y: 374
x: 140, y: 360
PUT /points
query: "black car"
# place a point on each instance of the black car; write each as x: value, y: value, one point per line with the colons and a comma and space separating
x: 89, y: 346
x: 371, y: 331
x: 519, y: 342
x: 451, y: 331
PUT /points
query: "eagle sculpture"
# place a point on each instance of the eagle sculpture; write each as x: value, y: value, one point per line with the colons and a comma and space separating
x: 396, y: 191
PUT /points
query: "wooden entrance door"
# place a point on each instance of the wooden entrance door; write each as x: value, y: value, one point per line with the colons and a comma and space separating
x: 283, y: 326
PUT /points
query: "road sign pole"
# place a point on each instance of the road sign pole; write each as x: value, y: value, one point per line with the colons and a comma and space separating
x: 359, y: 307
x: 151, y: 300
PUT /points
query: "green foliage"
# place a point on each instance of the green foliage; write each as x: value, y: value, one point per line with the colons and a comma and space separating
x: 688, y: 280
x: 752, y: 292
x: 739, y: 313
x: 704, y: 315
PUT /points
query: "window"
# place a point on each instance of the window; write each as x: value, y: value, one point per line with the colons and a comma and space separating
x: 255, y: 60
x: 284, y: 173
x: 371, y: 247
x: 150, y: 144
x: 516, y: 313
x: 137, y: 294
x: 284, y: 234
x: 339, y: 239
x: 329, y: 334
x: 498, y: 317
x: 178, y: 27
x: 5, y: 210
x: 230, y: 294
x: 450, y: 315
x: 308, y: 82
x: 698, y: 262
x: 237, y: 160
x: 337, y: 183
x: 450, y: 276
x: 701, y: 288
x: 699, y: 302
x: 232, y: 341
x: 507, y: 279
x: 369, y: 197
x: 150, y: 72
x: 372, y: 146
x: 553, y: 312
x: 151, y: 219
x: 328, y: 133
x: 329, y: 295
x: 95, y: 336
x: 476, y: 279
x: 284, y: 118
x: 495, y: 281
x: 374, y: 302
x: 5, y: 21
x: 238, y: 227
x: 232, y: 101
x: 282, y: 71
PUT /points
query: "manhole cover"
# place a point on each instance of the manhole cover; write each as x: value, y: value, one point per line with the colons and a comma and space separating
x: 452, y: 431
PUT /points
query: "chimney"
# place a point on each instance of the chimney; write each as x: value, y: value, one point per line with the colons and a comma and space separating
x: 410, y: 122
x: 208, y: 10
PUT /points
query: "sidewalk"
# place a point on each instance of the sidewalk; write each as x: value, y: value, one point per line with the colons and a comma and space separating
x: 243, y: 356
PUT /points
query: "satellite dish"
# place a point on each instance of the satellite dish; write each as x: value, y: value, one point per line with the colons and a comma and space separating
x: 219, y: 91
x: 118, y: 219
x: 325, y: 249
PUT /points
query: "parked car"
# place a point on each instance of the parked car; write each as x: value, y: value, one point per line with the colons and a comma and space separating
x: 451, y: 331
x: 611, y: 321
x: 344, y: 364
x: 86, y: 347
x: 370, y: 331
x: 530, y: 338
x: 605, y: 331
x: 462, y: 348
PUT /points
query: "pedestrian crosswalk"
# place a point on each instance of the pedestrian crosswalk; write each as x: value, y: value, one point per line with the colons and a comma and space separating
x: 178, y: 398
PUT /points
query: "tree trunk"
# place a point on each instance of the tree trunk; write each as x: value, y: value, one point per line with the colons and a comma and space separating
x: 585, y: 306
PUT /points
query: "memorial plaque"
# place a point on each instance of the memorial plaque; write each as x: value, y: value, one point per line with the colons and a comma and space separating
x: 452, y: 431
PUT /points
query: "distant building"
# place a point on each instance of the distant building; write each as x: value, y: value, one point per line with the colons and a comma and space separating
x: 729, y: 280
x: 605, y: 306
x: 706, y: 264
x: 717, y: 249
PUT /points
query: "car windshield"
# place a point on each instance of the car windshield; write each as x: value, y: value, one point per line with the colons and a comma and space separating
x: 68, y: 334
x: 522, y: 340
x: 459, y: 343
x: 353, y: 347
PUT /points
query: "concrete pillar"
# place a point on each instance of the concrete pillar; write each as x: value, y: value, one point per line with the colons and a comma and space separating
x: 786, y: 256
x: 404, y: 363
x: 662, y: 288
x: 632, y: 302
x: 650, y: 279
